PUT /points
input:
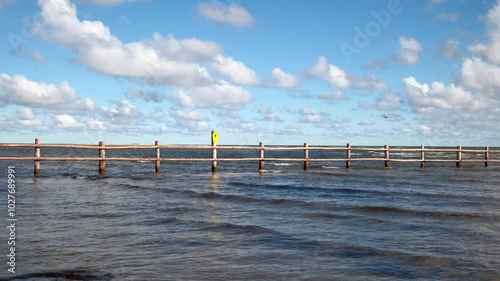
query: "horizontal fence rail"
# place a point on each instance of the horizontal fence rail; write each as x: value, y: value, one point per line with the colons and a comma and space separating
x: 422, y: 154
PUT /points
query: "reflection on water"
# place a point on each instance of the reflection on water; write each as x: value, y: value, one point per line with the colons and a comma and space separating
x: 360, y: 224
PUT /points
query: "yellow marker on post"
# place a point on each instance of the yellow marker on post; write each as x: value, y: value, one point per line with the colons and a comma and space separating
x: 215, y: 137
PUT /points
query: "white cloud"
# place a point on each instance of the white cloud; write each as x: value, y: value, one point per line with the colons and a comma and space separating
x: 389, y: 102
x: 337, y: 96
x: 366, y: 122
x: 123, y: 113
x: 284, y: 80
x: 237, y: 71
x: 157, y: 62
x: 233, y: 15
x: 328, y: 72
x: 376, y: 64
x: 450, y: 49
x: 425, y: 98
x: 220, y: 95
x: 148, y: 96
x: 425, y: 130
x: 410, y: 50
x: 37, y: 56
x: 24, y: 117
x: 186, y: 114
x: 268, y: 115
x: 25, y: 114
x: 19, y: 90
x: 451, y: 17
x: 188, y: 49
x: 490, y: 50
x: 369, y: 83
x: 481, y: 75
x: 94, y: 124
x: 189, y: 120
x: 67, y: 121
x: 310, y: 116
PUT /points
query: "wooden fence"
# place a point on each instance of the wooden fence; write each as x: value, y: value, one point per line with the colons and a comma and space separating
x: 261, y: 159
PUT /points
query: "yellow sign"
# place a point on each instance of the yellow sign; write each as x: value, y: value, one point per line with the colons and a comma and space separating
x: 215, y: 137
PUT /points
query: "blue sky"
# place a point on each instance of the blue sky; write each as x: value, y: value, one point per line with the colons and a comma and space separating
x: 396, y: 72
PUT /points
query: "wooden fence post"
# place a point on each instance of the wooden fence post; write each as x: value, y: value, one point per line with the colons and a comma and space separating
x: 261, y: 156
x: 102, y: 155
x: 36, y: 168
x: 486, y: 156
x: 386, y: 154
x: 459, y: 156
x: 422, y: 156
x: 306, y: 156
x: 157, y: 154
x: 348, y: 162
x: 214, y: 154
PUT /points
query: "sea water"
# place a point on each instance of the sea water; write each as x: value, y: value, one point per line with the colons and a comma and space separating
x: 186, y: 223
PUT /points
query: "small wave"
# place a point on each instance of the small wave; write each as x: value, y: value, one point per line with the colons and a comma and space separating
x: 395, y: 210
x: 283, y: 201
x: 83, y: 177
x: 423, y: 260
x: 161, y: 221
x: 329, y: 167
x: 63, y: 275
x: 238, y: 228
x: 284, y: 164
x: 321, y: 215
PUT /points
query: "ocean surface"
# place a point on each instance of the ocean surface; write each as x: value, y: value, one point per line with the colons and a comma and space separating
x: 186, y: 223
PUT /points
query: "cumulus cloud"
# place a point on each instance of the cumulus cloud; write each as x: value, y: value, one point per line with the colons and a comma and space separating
x: 25, y: 113
x: 490, y: 49
x: 308, y: 115
x: 333, y: 74
x: 425, y: 130
x: 149, y: 61
x: 267, y: 114
x: 368, y: 83
x: 450, y: 50
x: 221, y: 95
x: 337, y: 96
x: 237, y: 71
x: 19, y: 90
x: 425, y: 98
x: 68, y: 122
x: 284, y: 80
x: 219, y: 12
x: 123, y: 112
x: 189, y: 120
x: 376, y: 64
x: 389, y: 102
x: 148, y: 96
x: 480, y: 75
x: 409, y: 50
